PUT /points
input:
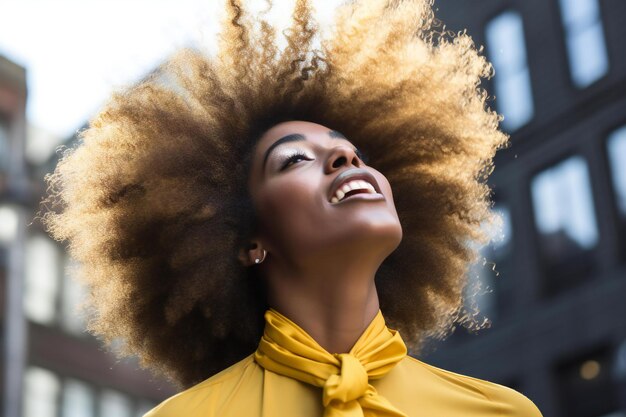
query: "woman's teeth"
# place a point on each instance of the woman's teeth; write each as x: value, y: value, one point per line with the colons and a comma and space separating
x: 350, y: 186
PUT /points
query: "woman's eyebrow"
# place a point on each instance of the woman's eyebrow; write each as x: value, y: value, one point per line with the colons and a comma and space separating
x: 289, y: 138
x: 296, y: 137
x: 336, y: 134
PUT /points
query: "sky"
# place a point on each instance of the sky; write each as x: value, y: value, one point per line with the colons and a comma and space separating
x: 76, y: 51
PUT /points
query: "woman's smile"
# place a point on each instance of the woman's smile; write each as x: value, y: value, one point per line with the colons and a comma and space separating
x: 352, y: 182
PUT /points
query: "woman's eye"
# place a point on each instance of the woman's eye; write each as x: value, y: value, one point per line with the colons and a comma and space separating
x: 293, y: 159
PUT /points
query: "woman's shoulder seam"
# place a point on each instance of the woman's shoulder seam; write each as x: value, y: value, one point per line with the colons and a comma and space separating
x: 451, y: 372
x: 481, y: 381
x: 458, y: 375
x: 213, y: 381
x: 221, y: 376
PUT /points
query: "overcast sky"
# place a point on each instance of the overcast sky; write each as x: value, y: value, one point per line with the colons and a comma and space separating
x: 75, y: 51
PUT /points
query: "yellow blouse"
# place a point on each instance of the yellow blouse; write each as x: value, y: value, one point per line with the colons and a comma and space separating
x: 292, y: 375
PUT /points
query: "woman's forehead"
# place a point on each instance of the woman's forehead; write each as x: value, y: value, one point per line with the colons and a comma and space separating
x: 305, y: 130
x: 294, y: 126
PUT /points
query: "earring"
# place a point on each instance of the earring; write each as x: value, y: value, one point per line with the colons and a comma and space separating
x: 258, y: 261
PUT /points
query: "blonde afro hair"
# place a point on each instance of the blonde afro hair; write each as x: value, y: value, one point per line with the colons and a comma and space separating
x: 153, y: 201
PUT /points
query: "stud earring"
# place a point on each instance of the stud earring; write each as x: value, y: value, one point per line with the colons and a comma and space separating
x: 258, y: 261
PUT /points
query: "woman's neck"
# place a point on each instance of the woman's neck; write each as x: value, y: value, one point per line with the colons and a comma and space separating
x: 333, y: 310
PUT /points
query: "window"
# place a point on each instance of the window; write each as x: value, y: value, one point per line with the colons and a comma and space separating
x: 499, y: 257
x: 488, y: 294
x: 619, y: 367
x: 41, y: 270
x: 494, y: 273
x: 46, y: 395
x: 41, y: 392
x: 113, y: 403
x: 73, y: 294
x: 479, y: 293
x: 78, y: 399
x: 565, y: 221
x: 9, y: 223
x: 584, y: 39
x: 616, y: 145
x: 4, y: 145
x: 507, y: 52
x: 616, y: 150
x: 586, y: 387
x: 144, y: 407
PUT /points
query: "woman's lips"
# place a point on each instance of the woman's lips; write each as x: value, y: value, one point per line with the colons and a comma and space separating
x: 354, y: 174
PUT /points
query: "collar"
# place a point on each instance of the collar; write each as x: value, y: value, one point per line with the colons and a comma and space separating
x: 288, y: 350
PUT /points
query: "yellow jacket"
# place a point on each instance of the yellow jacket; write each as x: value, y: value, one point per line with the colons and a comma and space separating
x: 409, y: 386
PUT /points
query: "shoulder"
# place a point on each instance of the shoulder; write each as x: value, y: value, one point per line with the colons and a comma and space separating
x: 506, y: 401
x: 205, y: 398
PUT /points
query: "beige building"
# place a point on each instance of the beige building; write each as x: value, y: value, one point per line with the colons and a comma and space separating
x: 50, y: 366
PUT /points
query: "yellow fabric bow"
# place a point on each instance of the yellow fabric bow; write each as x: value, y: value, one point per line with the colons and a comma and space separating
x: 288, y: 350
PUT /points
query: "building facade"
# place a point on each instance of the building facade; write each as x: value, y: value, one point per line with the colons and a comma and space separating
x: 555, y: 282
x: 13, y: 212
x: 50, y: 366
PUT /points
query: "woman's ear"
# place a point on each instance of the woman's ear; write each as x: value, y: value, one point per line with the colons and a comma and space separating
x: 252, y: 255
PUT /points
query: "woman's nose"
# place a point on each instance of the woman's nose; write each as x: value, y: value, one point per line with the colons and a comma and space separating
x: 342, y: 156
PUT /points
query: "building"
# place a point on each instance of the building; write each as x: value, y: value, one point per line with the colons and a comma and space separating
x: 13, y: 186
x: 558, y: 331
x: 557, y: 310
x: 50, y: 366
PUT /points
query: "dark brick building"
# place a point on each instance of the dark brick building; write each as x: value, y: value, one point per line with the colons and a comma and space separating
x: 557, y: 303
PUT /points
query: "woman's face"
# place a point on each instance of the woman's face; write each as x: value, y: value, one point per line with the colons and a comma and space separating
x: 316, y: 200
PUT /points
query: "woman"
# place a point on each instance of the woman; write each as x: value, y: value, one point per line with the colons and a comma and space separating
x: 235, y: 238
